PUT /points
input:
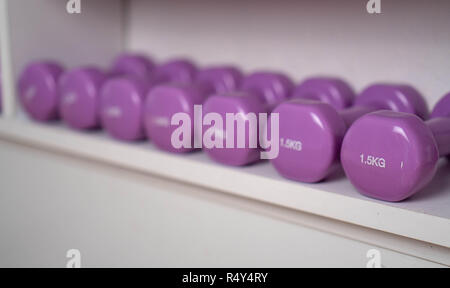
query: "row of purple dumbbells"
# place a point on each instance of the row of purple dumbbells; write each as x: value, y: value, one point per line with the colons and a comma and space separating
x: 387, y: 149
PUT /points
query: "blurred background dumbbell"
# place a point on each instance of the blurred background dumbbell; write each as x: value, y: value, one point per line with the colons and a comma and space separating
x: 331, y: 90
x: 176, y: 71
x: 123, y: 98
x: 164, y: 101
x: 259, y: 92
x: 311, y: 132
x: 222, y: 79
x: 38, y: 90
x: 391, y: 155
x: 79, y: 88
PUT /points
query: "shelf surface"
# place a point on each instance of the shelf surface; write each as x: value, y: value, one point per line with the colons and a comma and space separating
x: 425, y: 216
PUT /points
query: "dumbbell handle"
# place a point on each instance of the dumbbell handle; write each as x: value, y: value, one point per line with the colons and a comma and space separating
x: 440, y: 127
x: 350, y: 115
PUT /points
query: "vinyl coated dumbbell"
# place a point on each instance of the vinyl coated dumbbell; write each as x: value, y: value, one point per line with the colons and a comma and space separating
x: 390, y: 155
x: 176, y: 71
x: 265, y: 84
x: 271, y: 87
x: 222, y: 79
x: 79, y: 89
x: 135, y: 65
x: 123, y: 99
x: 164, y: 101
x: 260, y: 91
x: 331, y: 90
x: 311, y: 132
x: 38, y: 90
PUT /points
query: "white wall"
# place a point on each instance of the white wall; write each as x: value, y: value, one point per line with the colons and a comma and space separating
x: 42, y: 29
x: 408, y: 42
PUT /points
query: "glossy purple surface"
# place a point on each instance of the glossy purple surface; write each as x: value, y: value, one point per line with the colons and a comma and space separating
x: 138, y: 66
x: 176, y: 71
x: 319, y: 129
x: 333, y: 91
x: 271, y: 87
x: 38, y: 90
x: 441, y: 109
x: 391, y: 155
x: 236, y: 102
x: 310, y: 137
x: 400, y: 98
x: 122, y: 101
x: 80, y: 102
x: 223, y: 79
x: 406, y: 147
x: 163, y: 102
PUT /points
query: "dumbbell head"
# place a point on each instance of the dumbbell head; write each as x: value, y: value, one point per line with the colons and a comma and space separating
x: 38, y: 90
x: 121, y: 101
x: 175, y: 71
x: 389, y: 155
x: 162, y: 103
x: 311, y: 133
x: 333, y: 91
x: 271, y: 87
x: 442, y: 107
x: 394, y: 97
x: 239, y: 104
x: 79, y: 101
x: 223, y: 79
x: 135, y: 65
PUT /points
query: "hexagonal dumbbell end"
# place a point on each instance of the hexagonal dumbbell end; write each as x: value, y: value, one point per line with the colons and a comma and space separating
x: 230, y: 133
x: 121, y: 111
x: 79, y: 106
x: 223, y: 79
x: 333, y: 91
x: 175, y: 71
x: 271, y: 87
x: 38, y: 90
x: 169, y: 109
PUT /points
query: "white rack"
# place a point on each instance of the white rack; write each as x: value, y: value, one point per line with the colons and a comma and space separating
x: 172, y: 28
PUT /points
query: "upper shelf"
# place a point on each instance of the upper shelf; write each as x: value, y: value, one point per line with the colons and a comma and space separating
x: 425, y: 216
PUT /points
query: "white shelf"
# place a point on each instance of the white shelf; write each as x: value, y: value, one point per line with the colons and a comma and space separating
x: 425, y: 217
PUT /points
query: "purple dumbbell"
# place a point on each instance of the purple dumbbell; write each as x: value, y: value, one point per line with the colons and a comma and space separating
x: 38, y: 90
x: 333, y: 91
x: 165, y: 101
x: 260, y: 92
x: 79, y: 105
x: 311, y: 132
x: 246, y: 104
x: 271, y: 87
x: 391, y: 155
x: 123, y: 98
x: 176, y: 71
x: 223, y: 79
x: 80, y: 89
x: 276, y: 88
x: 135, y: 65
x: 121, y: 107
